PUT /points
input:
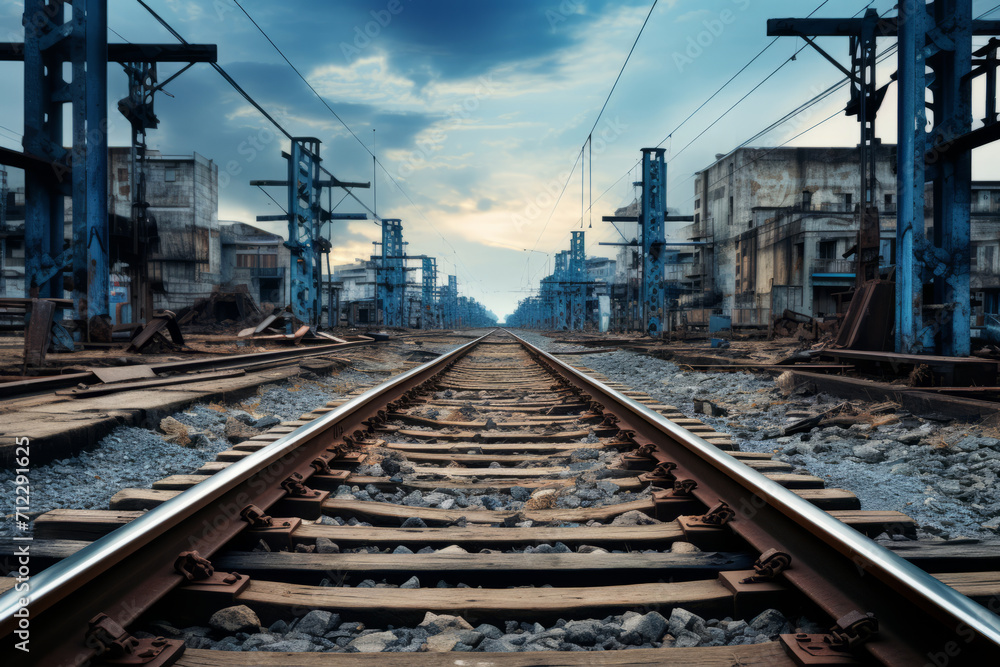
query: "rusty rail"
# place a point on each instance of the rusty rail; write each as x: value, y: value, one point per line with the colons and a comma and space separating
x: 838, y: 568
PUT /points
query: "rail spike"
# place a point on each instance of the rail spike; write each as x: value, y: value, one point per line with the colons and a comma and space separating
x: 116, y: 646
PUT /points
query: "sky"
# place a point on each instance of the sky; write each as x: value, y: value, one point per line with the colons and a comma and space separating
x: 478, y: 111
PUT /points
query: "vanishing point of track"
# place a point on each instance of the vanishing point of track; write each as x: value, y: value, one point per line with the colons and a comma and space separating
x: 809, y: 543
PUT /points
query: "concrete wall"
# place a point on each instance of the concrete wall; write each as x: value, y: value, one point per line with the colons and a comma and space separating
x: 729, y: 190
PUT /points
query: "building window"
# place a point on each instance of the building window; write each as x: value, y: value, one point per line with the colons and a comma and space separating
x: 826, y: 249
x: 888, y: 202
x: 847, y: 201
x: 730, y: 210
x: 169, y: 174
x: 697, y: 203
x: 123, y: 174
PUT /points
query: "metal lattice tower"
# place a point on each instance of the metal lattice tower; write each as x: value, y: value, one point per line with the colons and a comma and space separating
x: 303, y: 227
x: 392, y: 282
x: 561, y: 274
x: 428, y: 278
x: 577, y: 276
x: 305, y: 218
x: 49, y: 43
x: 651, y: 221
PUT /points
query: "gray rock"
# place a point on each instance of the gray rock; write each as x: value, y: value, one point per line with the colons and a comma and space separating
x: 435, y: 623
x: 591, y: 549
x: 325, y: 545
x: 373, y: 643
x: 584, y: 633
x: 412, y: 582
x: 497, y: 646
x: 770, y: 622
x: 317, y: 622
x: 266, y: 422
x: 686, y: 638
x: 683, y: 548
x: 650, y: 627
x: 489, y: 631
x: 634, y: 518
x: 520, y: 493
x: 682, y: 619
x: 402, y: 550
x: 414, y: 522
x: 258, y: 640
x: 289, y: 646
x: 231, y: 620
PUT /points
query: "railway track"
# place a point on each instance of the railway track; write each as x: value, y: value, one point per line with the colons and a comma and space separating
x: 543, y: 501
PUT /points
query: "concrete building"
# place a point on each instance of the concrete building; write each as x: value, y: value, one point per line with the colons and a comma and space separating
x: 185, y: 259
x: 776, y: 223
x: 184, y: 246
x: 255, y: 258
x: 779, y: 222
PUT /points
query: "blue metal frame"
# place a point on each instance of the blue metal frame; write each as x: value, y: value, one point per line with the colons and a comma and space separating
x: 577, y: 280
x: 654, y: 207
x: 49, y: 43
x: 943, y: 43
x: 428, y: 277
x: 304, y: 192
x: 392, y: 281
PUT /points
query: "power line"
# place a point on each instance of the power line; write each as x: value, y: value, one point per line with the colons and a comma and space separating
x: 569, y: 177
x: 617, y: 78
x: 375, y: 159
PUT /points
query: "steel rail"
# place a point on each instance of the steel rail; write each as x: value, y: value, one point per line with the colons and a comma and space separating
x: 134, y: 562
x: 876, y: 577
x: 255, y: 361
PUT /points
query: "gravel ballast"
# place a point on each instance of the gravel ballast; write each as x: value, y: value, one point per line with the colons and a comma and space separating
x: 942, y: 474
x: 324, y: 631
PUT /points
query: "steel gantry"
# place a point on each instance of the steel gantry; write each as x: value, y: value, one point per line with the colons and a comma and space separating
x: 51, y: 42
x: 654, y: 208
x: 577, y: 289
x: 429, y: 315
x: 305, y: 216
x: 652, y: 221
x: 934, y: 57
x: 390, y: 274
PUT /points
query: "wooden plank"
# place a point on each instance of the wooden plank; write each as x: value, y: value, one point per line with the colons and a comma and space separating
x: 484, y: 460
x: 297, y: 566
x: 391, y: 513
x: 139, y: 499
x: 88, y: 525
x: 656, y: 536
x: 951, y: 556
x: 498, y: 447
x: 873, y: 523
x: 482, y: 425
x: 982, y: 587
x: 481, y: 605
x: 769, y: 654
x: 563, y: 436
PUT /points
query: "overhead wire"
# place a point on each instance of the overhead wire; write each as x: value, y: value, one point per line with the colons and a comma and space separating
x: 375, y: 159
x: 604, y: 106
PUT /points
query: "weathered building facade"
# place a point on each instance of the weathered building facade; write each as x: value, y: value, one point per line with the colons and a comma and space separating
x: 255, y: 258
x: 780, y: 226
x: 771, y: 216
